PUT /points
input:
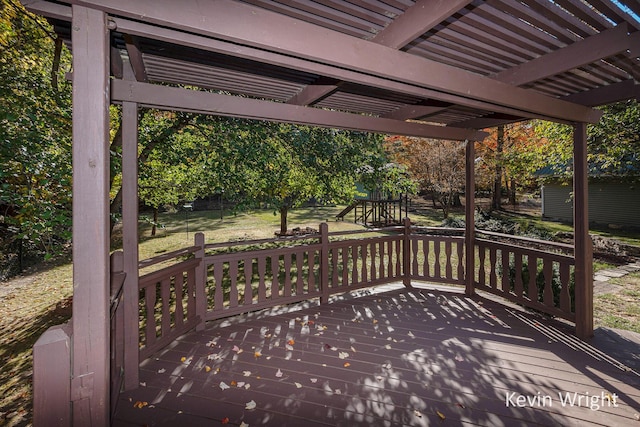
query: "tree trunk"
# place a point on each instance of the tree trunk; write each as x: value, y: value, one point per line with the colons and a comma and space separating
x: 512, y: 192
x: 155, y: 221
x: 496, y: 202
x: 284, y: 210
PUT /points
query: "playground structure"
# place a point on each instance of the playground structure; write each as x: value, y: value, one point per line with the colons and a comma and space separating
x: 376, y: 212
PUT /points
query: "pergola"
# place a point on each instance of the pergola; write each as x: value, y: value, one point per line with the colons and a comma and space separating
x: 427, y: 68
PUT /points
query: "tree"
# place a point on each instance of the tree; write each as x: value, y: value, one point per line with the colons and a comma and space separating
x: 436, y: 165
x: 613, y: 143
x: 35, y: 129
x: 509, y: 157
x: 287, y: 165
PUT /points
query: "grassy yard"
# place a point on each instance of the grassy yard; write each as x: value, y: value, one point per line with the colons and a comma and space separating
x: 32, y: 303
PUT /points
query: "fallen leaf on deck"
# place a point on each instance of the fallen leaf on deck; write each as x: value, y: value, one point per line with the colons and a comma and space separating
x: 162, y: 371
x: 347, y: 364
x: 246, y: 373
x: 207, y: 368
x: 411, y: 334
x: 240, y: 384
x: 243, y: 424
x: 313, y: 380
x: 298, y: 385
x: 279, y: 373
x: 343, y: 355
x: 140, y: 404
x: 257, y: 354
x: 388, y: 346
x: 224, y: 385
x: 417, y: 413
x: 250, y: 405
x: 338, y: 391
x: 459, y: 358
x: 441, y: 415
x: 233, y: 383
x: 353, y: 349
x: 246, y: 386
x: 225, y: 420
x: 291, y: 342
x: 374, y: 321
x: 143, y: 384
x: 237, y: 349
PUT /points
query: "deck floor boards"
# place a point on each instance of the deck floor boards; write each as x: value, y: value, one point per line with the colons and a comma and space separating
x: 411, y: 357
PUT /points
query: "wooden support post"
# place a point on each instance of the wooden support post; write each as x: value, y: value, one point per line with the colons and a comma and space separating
x: 324, y: 263
x: 406, y: 254
x: 91, y: 277
x: 130, y: 241
x: 583, y: 252
x: 51, y: 373
x: 201, y: 282
x: 470, y: 227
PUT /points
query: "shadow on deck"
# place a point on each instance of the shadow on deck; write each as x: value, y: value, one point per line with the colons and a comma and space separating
x: 390, y: 357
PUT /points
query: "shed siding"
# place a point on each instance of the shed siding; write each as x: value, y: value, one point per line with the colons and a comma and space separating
x: 609, y: 203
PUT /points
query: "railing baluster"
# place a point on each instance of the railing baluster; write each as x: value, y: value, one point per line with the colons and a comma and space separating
x: 179, y: 291
x: 262, y: 291
x: 275, y: 276
x: 481, y: 273
x: 565, y: 280
x: 436, y: 265
x: 460, y: 248
x: 311, y: 272
x: 191, y: 294
x: 334, y: 268
x: 345, y: 266
x: 492, y: 269
x: 165, y: 308
x: 150, y: 330
x: 414, y: 257
x: 448, y: 266
x: 381, y: 269
x: 373, y: 262
x: 548, y: 280
x: 354, y: 265
x: 299, y: 272
x: 248, y: 281
x: 365, y: 276
x: 218, y: 296
x: 425, y: 254
x: 533, y: 277
x: 233, y: 291
x: 518, y: 284
x: 287, y: 274
x: 504, y: 268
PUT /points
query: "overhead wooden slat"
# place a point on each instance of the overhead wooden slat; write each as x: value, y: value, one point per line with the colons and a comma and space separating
x: 594, y: 48
x: 417, y: 20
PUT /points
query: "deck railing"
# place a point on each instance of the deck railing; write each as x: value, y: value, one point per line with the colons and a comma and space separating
x: 536, y: 278
x: 211, y: 281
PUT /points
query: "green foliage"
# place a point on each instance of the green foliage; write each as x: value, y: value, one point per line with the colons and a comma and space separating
x: 35, y: 130
x: 613, y: 143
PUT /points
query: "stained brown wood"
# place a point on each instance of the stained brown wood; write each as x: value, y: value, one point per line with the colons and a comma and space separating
x: 90, y: 348
x: 582, y: 241
x: 396, y: 357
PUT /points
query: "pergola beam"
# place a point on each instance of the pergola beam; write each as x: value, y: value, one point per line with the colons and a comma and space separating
x: 171, y: 98
x: 247, y: 25
x: 602, y: 45
x: 417, y: 20
x: 609, y: 94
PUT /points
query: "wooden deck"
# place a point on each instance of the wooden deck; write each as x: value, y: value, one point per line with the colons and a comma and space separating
x: 388, y: 358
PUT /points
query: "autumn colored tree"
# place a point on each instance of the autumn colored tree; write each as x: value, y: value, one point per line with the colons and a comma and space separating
x: 438, y: 166
x: 509, y: 156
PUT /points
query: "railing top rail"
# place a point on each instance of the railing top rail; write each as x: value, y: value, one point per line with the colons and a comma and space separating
x: 563, y: 246
x: 438, y: 230
x: 261, y: 241
x: 394, y: 228
x: 165, y: 257
x: 525, y: 249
